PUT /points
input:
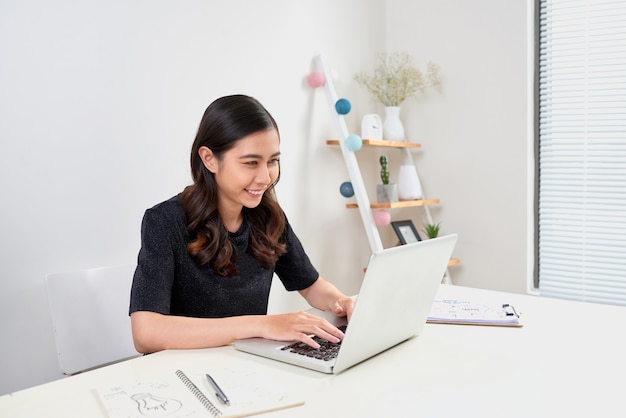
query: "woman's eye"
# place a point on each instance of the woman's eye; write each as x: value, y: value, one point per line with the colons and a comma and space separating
x: 275, y: 161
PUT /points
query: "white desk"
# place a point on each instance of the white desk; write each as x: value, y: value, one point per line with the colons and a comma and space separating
x: 568, y: 360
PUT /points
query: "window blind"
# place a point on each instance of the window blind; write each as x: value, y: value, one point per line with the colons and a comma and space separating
x: 581, y: 154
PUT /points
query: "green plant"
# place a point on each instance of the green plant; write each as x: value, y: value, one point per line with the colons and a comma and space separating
x: 432, y: 230
x: 396, y: 78
x: 384, y: 169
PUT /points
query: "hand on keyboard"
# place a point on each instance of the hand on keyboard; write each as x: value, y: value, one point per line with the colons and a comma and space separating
x: 327, y: 350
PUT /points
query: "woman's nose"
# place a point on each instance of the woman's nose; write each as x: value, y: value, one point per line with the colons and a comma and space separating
x: 264, y: 175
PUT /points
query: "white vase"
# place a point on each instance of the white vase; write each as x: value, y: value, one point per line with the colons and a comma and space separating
x: 393, y: 130
x: 408, y: 183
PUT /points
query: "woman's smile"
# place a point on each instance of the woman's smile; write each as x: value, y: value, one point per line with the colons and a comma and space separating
x: 256, y: 193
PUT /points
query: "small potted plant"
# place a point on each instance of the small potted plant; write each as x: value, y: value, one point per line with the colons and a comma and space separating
x: 386, y: 192
x: 432, y: 230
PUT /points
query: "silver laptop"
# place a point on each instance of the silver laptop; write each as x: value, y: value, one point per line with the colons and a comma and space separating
x: 393, y: 303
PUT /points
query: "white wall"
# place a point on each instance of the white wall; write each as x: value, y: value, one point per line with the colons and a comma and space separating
x: 99, y: 103
x: 474, y: 134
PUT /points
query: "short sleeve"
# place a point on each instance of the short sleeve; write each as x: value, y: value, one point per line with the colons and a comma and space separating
x: 154, y: 276
x: 294, y: 268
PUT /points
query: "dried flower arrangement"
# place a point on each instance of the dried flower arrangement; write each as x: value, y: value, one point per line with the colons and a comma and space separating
x: 396, y: 78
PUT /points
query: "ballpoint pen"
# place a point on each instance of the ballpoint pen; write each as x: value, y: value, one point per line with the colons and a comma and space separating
x: 218, y: 391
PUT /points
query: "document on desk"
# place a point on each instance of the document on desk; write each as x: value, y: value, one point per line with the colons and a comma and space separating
x: 189, y: 393
x: 451, y: 311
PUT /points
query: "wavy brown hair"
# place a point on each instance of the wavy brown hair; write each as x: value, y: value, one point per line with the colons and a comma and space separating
x: 225, y: 121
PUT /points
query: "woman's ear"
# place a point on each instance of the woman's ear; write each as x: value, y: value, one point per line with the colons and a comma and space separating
x: 208, y: 159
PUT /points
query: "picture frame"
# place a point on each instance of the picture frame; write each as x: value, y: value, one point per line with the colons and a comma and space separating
x: 406, y: 232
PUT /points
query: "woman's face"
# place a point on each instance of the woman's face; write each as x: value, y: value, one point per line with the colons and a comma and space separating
x: 246, y: 170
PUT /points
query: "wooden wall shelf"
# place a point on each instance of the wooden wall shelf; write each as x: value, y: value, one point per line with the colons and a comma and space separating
x: 381, y: 143
x: 400, y: 204
x: 454, y: 262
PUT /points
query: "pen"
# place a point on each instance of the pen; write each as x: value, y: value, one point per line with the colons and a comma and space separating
x: 218, y: 391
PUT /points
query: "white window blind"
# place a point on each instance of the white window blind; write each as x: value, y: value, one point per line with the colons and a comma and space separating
x: 582, y: 150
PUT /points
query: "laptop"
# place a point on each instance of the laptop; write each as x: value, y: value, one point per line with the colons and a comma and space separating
x: 397, y: 292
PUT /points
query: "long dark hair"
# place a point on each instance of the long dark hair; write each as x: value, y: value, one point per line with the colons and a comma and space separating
x: 225, y: 121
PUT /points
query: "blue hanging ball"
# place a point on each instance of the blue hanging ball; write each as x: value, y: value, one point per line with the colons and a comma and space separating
x: 343, y: 106
x: 346, y: 189
x: 354, y: 142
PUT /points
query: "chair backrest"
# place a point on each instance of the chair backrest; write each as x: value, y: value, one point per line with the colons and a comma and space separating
x: 90, y: 316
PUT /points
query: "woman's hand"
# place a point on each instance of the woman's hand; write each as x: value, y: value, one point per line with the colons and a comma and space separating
x: 325, y: 296
x: 344, y: 307
x: 299, y: 326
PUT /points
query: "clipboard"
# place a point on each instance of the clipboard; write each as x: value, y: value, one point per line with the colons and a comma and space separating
x: 460, y: 312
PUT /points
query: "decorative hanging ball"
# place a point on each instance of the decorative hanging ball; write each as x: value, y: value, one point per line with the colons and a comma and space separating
x: 346, y: 189
x: 353, y: 142
x: 382, y: 217
x: 316, y: 79
x: 343, y: 106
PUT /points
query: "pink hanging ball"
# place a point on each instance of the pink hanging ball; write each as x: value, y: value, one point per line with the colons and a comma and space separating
x: 382, y: 217
x: 316, y: 79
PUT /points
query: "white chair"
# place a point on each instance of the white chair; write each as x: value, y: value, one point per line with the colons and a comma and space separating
x: 90, y: 317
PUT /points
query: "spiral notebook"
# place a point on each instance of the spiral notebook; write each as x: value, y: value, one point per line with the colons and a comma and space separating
x: 188, y: 394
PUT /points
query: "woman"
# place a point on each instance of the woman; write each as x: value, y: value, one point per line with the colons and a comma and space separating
x: 209, y: 254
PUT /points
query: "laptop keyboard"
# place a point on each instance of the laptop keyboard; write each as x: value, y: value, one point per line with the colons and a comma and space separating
x: 326, y: 352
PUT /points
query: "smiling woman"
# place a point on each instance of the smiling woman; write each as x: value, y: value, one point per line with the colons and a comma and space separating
x: 209, y: 254
x: 244, y: 174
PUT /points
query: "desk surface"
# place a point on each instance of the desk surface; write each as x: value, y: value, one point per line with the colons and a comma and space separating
x: 567, y: 360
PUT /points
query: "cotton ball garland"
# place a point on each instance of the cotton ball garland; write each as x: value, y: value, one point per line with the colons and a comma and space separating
x: 382, y: 217
x: 343, y: 106
x: 353, y: 142
x: 316, y: 79
x: 346, y: 189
